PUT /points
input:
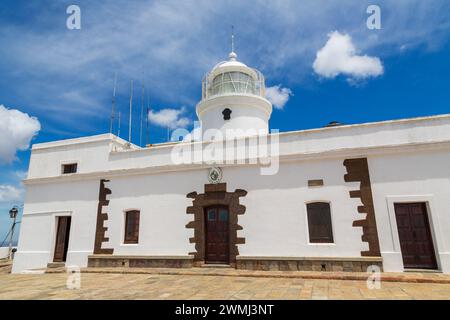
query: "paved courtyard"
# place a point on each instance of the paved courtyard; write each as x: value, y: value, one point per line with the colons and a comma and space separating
x: 182, y: 286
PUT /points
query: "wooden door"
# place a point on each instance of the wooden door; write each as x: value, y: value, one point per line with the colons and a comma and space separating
x: 217, y: 235
x: 415, y: 236
x: 62, y: 239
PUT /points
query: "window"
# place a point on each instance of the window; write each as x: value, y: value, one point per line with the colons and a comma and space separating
x: 132, y: 226
x: 69, y: 168
x: 319, y: 222
x: 226, y: 114
x: 223, y: 215
x: 233, y: 82
x: 211, y: 215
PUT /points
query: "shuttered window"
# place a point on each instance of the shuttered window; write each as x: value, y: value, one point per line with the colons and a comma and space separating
x: 132, y: 226
x: 319, y: 222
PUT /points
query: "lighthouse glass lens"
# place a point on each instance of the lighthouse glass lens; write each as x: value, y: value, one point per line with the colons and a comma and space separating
x: 233, y: 82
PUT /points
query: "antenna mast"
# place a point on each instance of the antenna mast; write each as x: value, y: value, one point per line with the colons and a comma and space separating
x: 142, y: 112
x: 232, y: 38
x: 118, y: 127
x: 113, y: 106
x: 147, y: 139
x: 131, y: 110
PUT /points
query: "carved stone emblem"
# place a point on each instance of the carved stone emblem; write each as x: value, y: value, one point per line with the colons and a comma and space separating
x: 215, y: 175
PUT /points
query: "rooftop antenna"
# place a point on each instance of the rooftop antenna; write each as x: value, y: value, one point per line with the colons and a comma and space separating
x: 113, y: 106
x: 131, y: 110
x: 142, y: 112
x: 147, y: 138
x: 232, y: 38
x: 232, y: 54
x: 118, y: 126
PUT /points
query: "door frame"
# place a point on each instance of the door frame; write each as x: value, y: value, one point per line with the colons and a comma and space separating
x: 433, y: 223
x: 205, y: 225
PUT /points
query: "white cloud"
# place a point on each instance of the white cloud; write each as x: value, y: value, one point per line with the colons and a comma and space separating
x: 278, y: 96
x: 172, y: 42
x: 16, y: 131
x: 170, y: 118
x: 340, y: 56
x: 9, y: 193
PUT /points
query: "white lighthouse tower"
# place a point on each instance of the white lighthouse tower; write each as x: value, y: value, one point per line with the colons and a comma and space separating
x: 233, y: 100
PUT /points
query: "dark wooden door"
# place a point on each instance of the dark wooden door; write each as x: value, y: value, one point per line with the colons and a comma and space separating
x: 62, y: 239
x: 217, y: 226
x: 415, y: 236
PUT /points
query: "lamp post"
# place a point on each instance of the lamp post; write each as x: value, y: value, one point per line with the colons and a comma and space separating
x: 13, y: 215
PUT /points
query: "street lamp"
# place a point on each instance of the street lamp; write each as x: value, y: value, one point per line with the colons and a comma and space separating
x: 13, y: 215
x: 13, y: 212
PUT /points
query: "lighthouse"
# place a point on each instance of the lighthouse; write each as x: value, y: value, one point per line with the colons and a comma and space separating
x: 233, y: 101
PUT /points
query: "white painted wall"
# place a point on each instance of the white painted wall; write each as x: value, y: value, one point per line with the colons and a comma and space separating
x: 412, y: 177
x: 43, y: 204
x: 4, y: 251
x: 274, y: 224
x: 95, y: 157
x: 248, y: 113
x: 407, y: 158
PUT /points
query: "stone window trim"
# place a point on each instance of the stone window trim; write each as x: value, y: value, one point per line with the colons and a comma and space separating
x: 358, y: 171
x: 102, y: 216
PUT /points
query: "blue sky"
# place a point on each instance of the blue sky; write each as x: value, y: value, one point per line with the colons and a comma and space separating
x: 64, y: 78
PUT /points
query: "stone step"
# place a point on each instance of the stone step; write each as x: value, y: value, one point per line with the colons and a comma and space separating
x: 52, y: 265
x: 212, y: 265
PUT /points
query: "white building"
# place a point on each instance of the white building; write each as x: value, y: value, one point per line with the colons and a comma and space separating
x: 334, y: 198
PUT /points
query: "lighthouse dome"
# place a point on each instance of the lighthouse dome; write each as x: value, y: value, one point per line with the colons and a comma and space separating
x: 233, y: 97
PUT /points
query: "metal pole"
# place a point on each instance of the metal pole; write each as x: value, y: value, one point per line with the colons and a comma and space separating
x: 142, y: 113
x: 118, y: 125
x: 111, y: 125
x: 131, y: 110
x: 11, y: 238
x: 146, y: 128
x: 147, y: 119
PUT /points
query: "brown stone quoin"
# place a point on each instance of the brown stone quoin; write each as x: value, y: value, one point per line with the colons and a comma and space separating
x: 215, y: 194
x: 101, y: 218
x: 358, y: 171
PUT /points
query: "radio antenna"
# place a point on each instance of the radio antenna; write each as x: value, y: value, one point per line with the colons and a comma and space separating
x: 118, y: 126
x: 142, y: 112
x: 232, y: 38
x: 113, y: 105
x: 131, y: 110
x: 147, y: 138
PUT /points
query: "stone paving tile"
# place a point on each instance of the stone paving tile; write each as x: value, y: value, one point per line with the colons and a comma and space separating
x: 197, y: 287
x: 415, y: 277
